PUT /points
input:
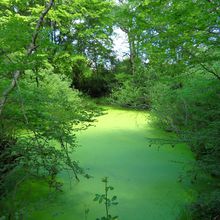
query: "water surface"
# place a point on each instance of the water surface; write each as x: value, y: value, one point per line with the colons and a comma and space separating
x: 145, y: 179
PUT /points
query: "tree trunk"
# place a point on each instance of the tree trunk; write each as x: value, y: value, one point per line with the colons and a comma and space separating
x: 132, y: 53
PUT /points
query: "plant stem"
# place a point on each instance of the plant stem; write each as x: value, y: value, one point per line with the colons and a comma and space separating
x: 106, y: 197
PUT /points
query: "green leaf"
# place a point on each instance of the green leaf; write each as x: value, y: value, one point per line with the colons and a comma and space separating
x: 114, y: 198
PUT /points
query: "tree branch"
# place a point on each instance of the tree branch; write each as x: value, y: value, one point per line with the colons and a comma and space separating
x: 31, y: 48
x: 9, y: 90
x: 210, y: 71
x: 33, y: 45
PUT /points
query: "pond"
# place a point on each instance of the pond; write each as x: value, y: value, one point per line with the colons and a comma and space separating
x: 150, y: 182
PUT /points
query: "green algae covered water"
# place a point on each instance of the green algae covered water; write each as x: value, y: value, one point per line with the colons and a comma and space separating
x: 146, y: 179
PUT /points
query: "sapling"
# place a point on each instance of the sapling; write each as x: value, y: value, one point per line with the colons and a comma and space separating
x: 108, y: 202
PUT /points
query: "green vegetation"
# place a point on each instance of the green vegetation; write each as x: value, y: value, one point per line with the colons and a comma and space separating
x: 56, y: 56
x: 104, y: 198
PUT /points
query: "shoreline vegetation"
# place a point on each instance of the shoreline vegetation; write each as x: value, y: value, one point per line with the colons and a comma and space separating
x: 60, y: 60
x: 117, y: 149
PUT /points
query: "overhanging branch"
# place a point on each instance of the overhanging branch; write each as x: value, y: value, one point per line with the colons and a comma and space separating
x: 31, y: 48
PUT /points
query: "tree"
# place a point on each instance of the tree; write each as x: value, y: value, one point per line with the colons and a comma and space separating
x: 126, y: 20
x: 41, y: 115
x: 31, y: 48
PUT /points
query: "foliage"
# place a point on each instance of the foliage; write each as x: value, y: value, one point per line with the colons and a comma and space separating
x: 131, y: 91
x: 42, y: 120
x: 188, y: 106
x: 108, y: 202
x: 207, y: 206
x: 179, y: 43
x: 172, y: 68
x: 42, y: 114
x: 195, y: 118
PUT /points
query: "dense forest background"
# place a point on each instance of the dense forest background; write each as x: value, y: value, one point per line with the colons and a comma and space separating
x: 58, y: 55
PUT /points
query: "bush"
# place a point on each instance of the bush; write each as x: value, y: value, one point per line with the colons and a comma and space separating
x: 38, y: 128
x: 191, y: 110
x: 131, y: 91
